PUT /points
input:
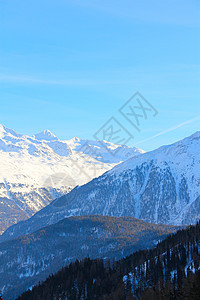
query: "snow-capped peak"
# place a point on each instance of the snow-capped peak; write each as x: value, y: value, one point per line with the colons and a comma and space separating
x: 45, y: 135
x: 7, y: 131
x: 35, y: 170
x: 75, y: 139
x: 195, y: 136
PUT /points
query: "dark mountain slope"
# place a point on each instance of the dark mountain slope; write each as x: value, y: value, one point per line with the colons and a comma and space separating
x: 168, y: 271
x: 26, y: 260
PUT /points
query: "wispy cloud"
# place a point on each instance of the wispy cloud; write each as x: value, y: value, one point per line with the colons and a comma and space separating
x: 170, y: 129
x: 102, y: 77
x: 64, y: 82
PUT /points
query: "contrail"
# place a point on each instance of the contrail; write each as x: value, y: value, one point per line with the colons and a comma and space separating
x: 170, y: 129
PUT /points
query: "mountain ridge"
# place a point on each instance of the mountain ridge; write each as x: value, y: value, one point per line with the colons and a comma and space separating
x: 159, y: 188
x: 34, y: 171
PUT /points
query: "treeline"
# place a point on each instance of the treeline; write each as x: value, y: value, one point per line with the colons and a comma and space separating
x: 189, y: 290
x: 168, y: 271
x: 85, y: 279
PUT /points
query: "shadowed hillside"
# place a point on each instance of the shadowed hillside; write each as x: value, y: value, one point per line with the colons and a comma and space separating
x: 39, y: 254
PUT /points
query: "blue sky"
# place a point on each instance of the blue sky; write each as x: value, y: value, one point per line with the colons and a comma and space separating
x: 68, y: 66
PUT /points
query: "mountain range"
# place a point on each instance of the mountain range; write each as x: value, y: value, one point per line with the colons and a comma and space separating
x: 36, y: 170
x: 161, y: 186
x: 111, y: 196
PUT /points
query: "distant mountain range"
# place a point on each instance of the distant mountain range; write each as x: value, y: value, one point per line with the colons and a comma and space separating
x: 29, y: 259
x: 35, y: 170
x: 161, y: 186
